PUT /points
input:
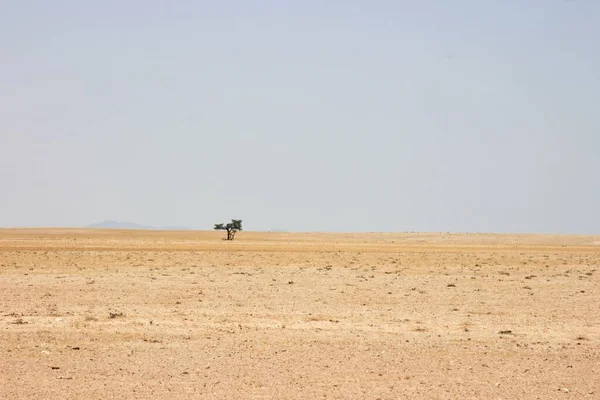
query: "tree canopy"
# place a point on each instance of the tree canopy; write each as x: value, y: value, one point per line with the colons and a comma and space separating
x: 232, y: 228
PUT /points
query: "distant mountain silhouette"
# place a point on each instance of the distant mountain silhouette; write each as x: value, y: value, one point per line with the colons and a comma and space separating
x: 108, y: 224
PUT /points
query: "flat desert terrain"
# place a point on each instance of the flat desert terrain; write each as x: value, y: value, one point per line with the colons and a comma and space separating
x: 91, y: 314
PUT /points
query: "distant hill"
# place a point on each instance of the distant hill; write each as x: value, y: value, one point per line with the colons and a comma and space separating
x: 108, y: 224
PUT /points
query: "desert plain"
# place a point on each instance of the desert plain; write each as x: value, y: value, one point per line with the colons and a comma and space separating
x: 90, y: 314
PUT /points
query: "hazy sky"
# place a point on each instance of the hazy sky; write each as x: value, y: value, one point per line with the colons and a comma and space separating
x: 476, y: 115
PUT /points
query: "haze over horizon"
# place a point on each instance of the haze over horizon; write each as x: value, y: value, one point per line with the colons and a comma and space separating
x: 355, y: 116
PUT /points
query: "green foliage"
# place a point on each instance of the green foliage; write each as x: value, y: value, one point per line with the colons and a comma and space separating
x: 232, y: 228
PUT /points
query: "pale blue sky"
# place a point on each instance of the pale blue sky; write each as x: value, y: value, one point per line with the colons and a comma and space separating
x: 306, y: 115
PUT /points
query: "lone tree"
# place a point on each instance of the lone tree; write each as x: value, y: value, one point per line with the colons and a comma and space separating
x: 232, y: 228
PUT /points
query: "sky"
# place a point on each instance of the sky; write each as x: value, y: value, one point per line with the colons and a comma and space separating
x: 388, y: 116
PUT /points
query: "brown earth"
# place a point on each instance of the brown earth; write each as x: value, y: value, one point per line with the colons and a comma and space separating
x: 87, y: 314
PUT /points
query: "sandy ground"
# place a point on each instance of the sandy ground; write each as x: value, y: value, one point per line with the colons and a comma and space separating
x: 174, y: 315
